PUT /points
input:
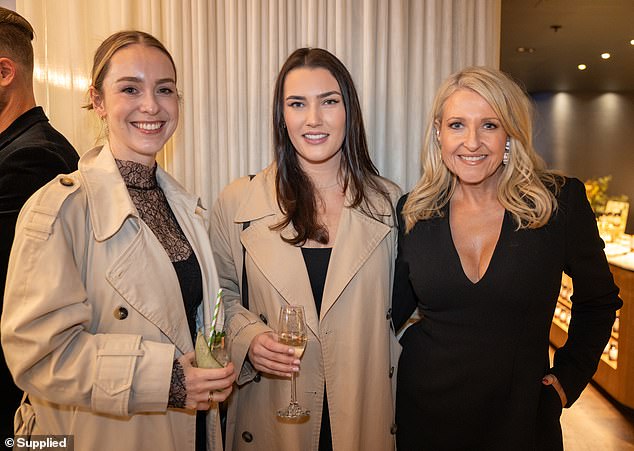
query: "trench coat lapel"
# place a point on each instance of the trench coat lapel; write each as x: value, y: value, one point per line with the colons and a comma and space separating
x: 357, y: 237
x: 282, y: 264
x: 156, y: 298
x: 134, y: 273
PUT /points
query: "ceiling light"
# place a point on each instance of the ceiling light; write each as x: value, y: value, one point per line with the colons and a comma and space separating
x: 605, y: 56
x: 525, y: 50
x: 582, y: 67
x: 632, y: 42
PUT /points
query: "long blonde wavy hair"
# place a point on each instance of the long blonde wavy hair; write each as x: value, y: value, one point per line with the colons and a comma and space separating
x: 526, y: 188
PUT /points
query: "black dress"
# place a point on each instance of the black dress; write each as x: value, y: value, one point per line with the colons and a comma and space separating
x: 317, y: 260
x: 470, y: 373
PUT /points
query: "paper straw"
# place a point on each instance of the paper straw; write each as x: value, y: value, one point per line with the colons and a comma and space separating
x: 214, y: 318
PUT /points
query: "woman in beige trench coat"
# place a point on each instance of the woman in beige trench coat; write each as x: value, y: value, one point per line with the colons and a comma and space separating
x: 110, y: 275
x: 321, y: 195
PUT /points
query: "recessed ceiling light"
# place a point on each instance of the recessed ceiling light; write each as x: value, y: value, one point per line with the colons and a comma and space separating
x: 582, y: 67
x: 605, y: 56
x: 632, y: 42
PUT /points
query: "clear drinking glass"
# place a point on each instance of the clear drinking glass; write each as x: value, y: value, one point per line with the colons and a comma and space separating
x: 292, y: 332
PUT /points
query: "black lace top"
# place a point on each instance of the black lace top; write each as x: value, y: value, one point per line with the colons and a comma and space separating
x: 154, y: 210
x: 150, y: 201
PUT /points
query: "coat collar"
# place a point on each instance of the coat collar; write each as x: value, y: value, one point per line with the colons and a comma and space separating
x: 21, y: 124
x: 108, y: 198
x: 283, y: 265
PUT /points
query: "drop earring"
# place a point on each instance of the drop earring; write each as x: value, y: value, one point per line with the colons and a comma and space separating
x: 507, y: 149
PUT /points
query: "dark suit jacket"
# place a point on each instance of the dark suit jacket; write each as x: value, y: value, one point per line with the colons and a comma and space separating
x: 32, y: 152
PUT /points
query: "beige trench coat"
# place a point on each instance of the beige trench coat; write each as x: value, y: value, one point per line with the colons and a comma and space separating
x: 93, y: 313
x: 351, y: 349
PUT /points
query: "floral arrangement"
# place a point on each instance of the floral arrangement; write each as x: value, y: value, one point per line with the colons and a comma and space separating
x: 596, y: 190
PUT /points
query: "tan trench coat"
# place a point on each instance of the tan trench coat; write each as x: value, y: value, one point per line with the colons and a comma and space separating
x: 351, y: 347
x: 93, y: 313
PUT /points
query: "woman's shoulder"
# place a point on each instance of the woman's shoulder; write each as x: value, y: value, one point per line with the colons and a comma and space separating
x: 235, y: 190
x: 60, y: 197
x: 567, y: 188
x: 390, y: 188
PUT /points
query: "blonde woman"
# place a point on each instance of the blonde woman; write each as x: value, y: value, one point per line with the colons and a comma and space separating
x: 484, y: 237
x: 110, y: 276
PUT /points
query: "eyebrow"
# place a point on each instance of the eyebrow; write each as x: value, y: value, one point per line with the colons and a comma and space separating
x: 138, y: 80
x: 320, y: 96
x: 492, y: 118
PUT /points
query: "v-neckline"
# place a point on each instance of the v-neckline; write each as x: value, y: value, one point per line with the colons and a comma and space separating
x: 457, y: 254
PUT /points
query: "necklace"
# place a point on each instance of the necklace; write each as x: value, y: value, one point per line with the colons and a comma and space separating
x: 324, y: 187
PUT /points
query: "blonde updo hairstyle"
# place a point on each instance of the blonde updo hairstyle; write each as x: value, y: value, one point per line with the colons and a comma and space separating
x: 111, y: 45
x: 526, y: 188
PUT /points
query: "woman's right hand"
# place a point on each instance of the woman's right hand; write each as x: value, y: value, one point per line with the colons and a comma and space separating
x: 205, y: 386
x: 267, y: 355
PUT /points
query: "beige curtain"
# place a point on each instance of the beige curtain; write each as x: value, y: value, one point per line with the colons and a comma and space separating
x: 228, y: 53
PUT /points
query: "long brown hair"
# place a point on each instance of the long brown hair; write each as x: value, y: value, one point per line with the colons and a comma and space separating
x: 295, y: 191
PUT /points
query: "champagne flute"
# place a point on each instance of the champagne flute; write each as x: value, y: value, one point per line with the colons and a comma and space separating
x: 292, y: 332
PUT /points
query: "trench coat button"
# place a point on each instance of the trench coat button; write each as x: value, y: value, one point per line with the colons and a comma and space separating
x: 257, y: 378
x: 247, y: 436
x: 393, y: 429
x: 121, y: 313
x: 66, y: 181
x: 391, y: 371
x: 389, y: 314
x: 263, y: 318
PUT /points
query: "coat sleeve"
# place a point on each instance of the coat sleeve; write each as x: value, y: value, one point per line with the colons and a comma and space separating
x: 403, y: 297
x: 241, y: 325
x: 47, y: 318
x: 595, y: 299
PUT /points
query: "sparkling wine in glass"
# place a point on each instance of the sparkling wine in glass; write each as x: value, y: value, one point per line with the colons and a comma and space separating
x: 292, y: 332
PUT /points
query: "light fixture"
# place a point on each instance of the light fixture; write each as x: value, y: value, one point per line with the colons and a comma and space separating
x: 605, y: 55
x: 525, y: 50
x: 632, y: 42
x: 582, y: 67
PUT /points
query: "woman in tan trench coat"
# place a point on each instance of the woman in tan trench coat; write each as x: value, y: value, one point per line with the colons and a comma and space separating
x: 111, y: 274
x: 321, y: 234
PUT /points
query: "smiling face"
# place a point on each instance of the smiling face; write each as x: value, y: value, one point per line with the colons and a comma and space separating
x: 315, y: 116
x: 139, y: 102
x: 472, y: 139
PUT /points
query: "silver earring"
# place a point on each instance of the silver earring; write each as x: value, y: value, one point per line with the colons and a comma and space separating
x: 507, y: 149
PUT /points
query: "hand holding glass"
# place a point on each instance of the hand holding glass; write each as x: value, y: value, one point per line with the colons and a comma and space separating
x: 292, y: 332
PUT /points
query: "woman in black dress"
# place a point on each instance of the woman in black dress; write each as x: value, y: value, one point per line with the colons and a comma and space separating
x: 484, y: 237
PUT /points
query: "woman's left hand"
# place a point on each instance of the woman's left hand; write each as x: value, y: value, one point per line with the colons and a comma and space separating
x: 551, y: 379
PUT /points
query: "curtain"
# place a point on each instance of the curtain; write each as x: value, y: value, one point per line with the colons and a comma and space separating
x: 228, y: 53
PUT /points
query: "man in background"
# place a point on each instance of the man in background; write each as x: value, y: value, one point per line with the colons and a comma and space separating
x: 32, y: 152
